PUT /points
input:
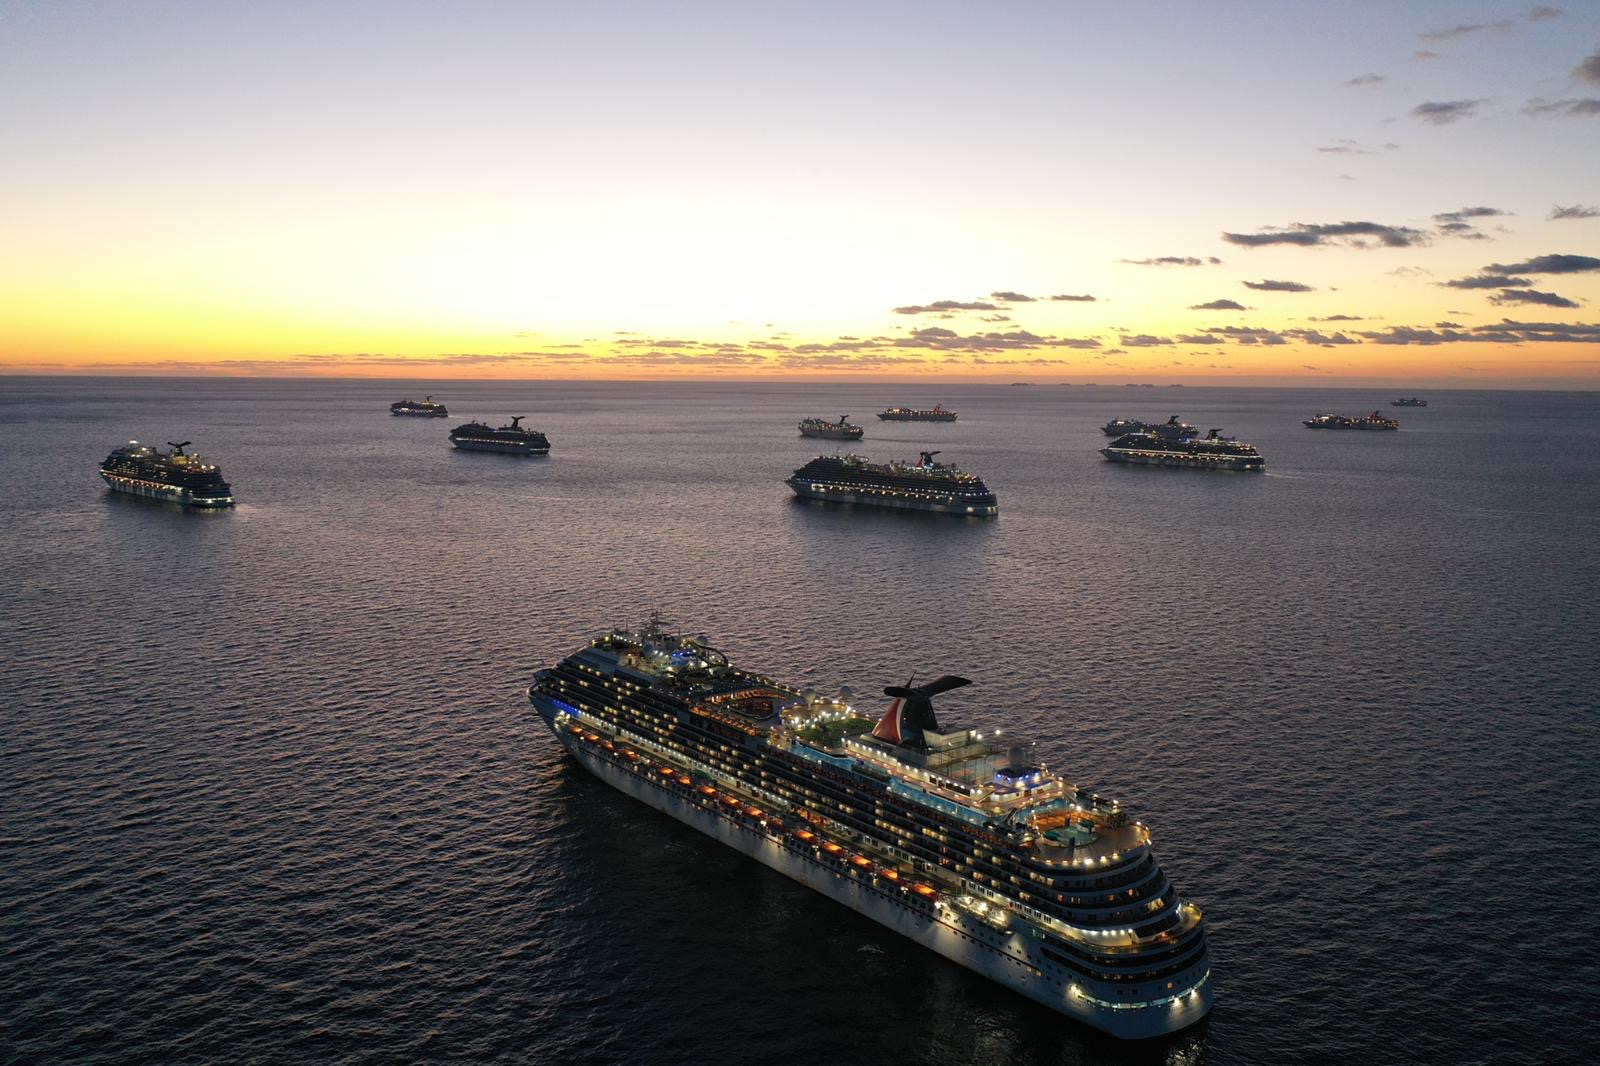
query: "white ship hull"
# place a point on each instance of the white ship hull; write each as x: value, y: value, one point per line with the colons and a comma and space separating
x: 1009, y: 957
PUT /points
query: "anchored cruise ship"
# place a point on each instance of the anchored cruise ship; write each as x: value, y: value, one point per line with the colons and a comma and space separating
x: 425, y: 408
x: 959, y: 839
x: 936, y: 413
x: 1214, y: 452
x: 176, y: 476
x: 1372, y: 421
x: 844, y: 429
x: 925, y: 486
x: 514, y: 439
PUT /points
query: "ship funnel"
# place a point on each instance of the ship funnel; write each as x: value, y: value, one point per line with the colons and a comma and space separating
x: 912, y: 711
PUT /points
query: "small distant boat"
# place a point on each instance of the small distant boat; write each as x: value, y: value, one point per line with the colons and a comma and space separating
x: 1414, y: 401
x: 1172, y: 429
x: 513, y: 439
x: 844, y: 429
x: 424, y: 408
x: 936, y: 413
x: 1372, y: 421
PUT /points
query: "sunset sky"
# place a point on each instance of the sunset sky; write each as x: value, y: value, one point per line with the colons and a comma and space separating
x: 1226, y: 192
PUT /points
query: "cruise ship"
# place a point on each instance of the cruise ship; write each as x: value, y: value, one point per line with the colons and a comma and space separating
x: 844, y: 429
x: 924, y: 486
x: 1214, y: 452
x: 424, y: 408
x: 176, y: 476
x: 1372, y: 421
x: 959, y: 839
x: 1172, y: 428
x: 936, y: 413
x: 512, y: 439
x: 1409, y: 401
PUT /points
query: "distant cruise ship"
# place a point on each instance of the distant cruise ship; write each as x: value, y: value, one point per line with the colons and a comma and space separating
x: 1215, y: 452
x: 1372, y: 421
x: 925, y: 486
x: 936, y: 413
x: 512, y: 439
x: 424, y: 408
x: 176, y: 476
x: 844, y: 429
x: 1172, y: 428
x: 1414, y: 401
x: 958, y: 839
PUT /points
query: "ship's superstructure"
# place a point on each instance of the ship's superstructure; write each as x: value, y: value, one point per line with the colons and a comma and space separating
x: 961, y: 840
x: 844, y: 429
x: 1213, y: 452
x: 177, y: 476
x: 1372, y: 421
x: 424, y: 408
x: 513, y: 439
x: 925, y: 485
x: 936, y: 413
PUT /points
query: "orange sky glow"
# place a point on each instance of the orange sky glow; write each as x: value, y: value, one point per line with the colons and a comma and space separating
x: 1148, y: 197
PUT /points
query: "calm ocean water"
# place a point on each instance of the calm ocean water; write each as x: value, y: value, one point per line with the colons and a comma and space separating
x: 271, y: 788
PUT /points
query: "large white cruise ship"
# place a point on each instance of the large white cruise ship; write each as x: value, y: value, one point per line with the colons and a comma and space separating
x: 960, y: 840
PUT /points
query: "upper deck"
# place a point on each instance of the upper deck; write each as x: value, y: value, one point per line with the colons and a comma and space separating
x: 986, y: 779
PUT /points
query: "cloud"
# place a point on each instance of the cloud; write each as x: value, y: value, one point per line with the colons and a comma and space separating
x: 1530, y: 296
x: 1346, y: 146
x: 1365, y: 79
x: 1547, y: 264
x: 1444, y: 112
x: 1506, y: 331
x: 1575, y: 211
x: 1426, y: 55
x: 1012, y: 297
x: 1084, y: 298
x: 1487, y: 281
x: 1585, y: 332
x: 1411, y: 335
x: 1144, y: 340
x: 1320, y: 339
x: 1467, y: 29
x: 1198, y: 338
x: 1469, y: 212
x: 1589, y: 69
x: 1249, y: 334
x: 1543, y: 12
x: 942, y: 339
x: 1338, y: 318
x: 1578, y: 107
x: 1219, y: 305
x: 1267, y: 285
x: 1173, y: 260
x: 946, y: 305
x: 1353, y: 234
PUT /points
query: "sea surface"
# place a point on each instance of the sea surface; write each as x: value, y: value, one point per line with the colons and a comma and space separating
x: 270, y: 789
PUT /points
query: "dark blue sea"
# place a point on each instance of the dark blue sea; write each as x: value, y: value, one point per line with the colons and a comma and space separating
x: 270, y: 790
